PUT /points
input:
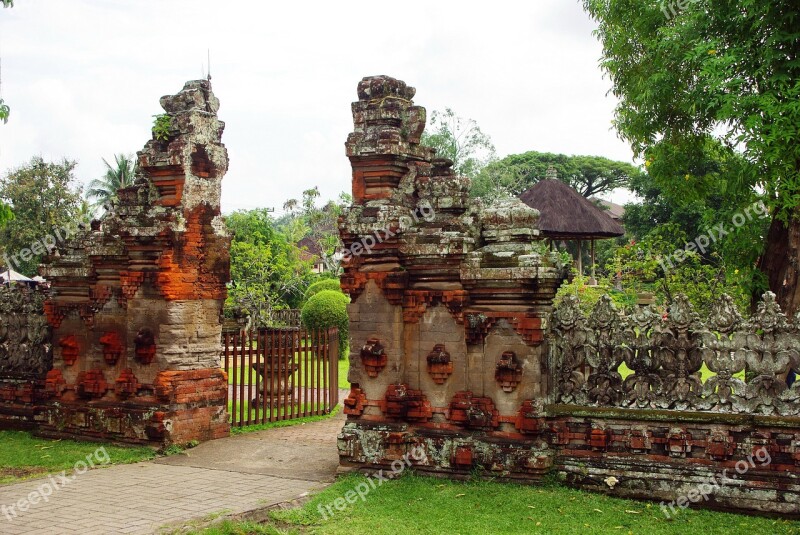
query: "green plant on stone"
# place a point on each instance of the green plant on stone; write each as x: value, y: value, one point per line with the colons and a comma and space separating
x: 327, y: 309
x: 162, y: 126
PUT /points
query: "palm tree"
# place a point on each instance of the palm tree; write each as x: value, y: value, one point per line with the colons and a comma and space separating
x: 104, y: 190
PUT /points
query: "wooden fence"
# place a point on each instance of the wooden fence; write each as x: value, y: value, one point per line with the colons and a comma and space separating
x: 281, y: 373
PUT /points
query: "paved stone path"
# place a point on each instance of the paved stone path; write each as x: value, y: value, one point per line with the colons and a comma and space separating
x: 231, y: 475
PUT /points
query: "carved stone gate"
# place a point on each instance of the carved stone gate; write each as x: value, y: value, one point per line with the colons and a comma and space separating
x: 135, y: 305
x: 456, y: 349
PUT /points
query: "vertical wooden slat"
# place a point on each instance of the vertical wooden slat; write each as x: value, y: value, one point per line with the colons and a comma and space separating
x: 335, y: 368
x: 304, y: 353
x: 293, y: 358
x: 312, y: 380
x: 241, y: 379
x: 289, y: 348
x: 250, y: 404
x: 282, y: 370
x: 317, y: 344
x: 262, y: 365
x: 326, y: 376
x: 227, y: 369
x: 331, y: 368
x: 234, y: 405
x: 272, y: 352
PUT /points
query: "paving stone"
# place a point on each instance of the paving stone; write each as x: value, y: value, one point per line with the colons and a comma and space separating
x: 220, y: 475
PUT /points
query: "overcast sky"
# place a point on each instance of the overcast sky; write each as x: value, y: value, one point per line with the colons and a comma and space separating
x: 83, y: 79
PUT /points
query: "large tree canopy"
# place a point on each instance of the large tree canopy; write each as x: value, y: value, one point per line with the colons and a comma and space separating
x: 460, y: 140
x: 46, y: 203
x: 727, y: 69
x: 589, y: 175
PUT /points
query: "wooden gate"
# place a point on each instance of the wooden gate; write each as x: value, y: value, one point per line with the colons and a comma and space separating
x: 281, y: 373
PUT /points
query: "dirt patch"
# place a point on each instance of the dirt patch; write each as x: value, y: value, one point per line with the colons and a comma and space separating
x: 13, y: 474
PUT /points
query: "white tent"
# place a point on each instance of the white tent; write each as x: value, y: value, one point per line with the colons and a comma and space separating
x: 9, y: 274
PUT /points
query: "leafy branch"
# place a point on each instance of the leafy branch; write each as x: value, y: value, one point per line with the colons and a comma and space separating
x: 162, y: 126
x: 5, y: 111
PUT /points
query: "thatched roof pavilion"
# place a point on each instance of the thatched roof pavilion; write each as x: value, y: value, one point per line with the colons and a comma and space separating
x: 568, y: 215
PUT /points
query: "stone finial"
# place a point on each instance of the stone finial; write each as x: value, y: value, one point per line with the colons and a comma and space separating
x: 196, y: 95
x: 372, y: 87
x: 387, y: 123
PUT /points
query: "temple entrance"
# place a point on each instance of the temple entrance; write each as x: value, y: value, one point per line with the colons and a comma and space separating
x: 280, y: 373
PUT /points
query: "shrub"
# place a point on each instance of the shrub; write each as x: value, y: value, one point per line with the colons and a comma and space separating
x: 322, y: 285
x: 325, y: 309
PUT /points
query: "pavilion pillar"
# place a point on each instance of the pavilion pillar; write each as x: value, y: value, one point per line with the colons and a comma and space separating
x: 592, y: 279
x: 579, y: 260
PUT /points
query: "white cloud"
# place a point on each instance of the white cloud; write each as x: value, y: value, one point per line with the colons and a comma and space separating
x: 83, y: 79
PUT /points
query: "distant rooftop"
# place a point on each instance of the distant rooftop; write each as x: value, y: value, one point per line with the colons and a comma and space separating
x: 565, y: 213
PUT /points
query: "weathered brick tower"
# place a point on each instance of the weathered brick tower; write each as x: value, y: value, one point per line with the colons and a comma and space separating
x: 136, y: 300
x: 448, y: 301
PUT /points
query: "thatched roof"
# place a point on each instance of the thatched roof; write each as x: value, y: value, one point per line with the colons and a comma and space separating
x: 567, y: 214
x: 614, y: 210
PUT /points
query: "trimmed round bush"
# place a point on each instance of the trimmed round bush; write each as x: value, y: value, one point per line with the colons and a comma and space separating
x: 325, y: 309
x: 319, y: 286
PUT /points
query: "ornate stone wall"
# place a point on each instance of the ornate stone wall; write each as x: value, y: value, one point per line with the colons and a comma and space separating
x: 25, y: 354
x: 136, y: 300
x: 449, y: 301
x: 749, y: 359
x: 455, y: 348
x: 661, y: 429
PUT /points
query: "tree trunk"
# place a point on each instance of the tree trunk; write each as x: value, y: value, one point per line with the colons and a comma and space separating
x: 781, y: 262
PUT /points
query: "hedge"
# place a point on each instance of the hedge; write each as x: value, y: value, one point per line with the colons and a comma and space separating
x: 319, y: 286
x: 325, y: 309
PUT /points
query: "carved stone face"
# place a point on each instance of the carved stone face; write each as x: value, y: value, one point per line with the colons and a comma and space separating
x: 680, y: 312
x: 567, y: 314
x: 724, y: 315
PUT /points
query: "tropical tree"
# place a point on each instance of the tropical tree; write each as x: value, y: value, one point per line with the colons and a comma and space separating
x: 460, y: 140
x: 267, y: 271
x: 589, y: 175
x: 307, y: 222
x: 46, y: 201
x: 721, y: 69
x: 120, y: 175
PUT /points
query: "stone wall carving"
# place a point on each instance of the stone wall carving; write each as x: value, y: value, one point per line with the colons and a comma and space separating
x: 749, y: 359
x: 25, y: 348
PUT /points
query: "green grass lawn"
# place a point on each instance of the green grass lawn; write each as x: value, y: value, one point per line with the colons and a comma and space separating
x: 432, y: 506
x: 284, y: 423
x: 343, y: 366
x: 705, y: 373
x: 23, y: 456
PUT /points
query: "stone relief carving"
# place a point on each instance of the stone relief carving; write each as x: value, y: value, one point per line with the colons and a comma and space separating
x: 25, y: 348
x: 748, y: 359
